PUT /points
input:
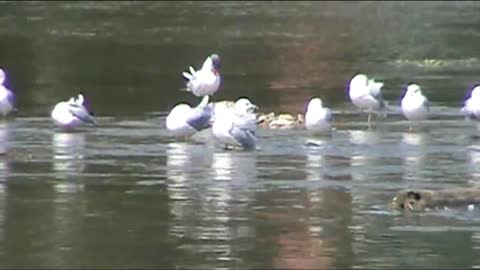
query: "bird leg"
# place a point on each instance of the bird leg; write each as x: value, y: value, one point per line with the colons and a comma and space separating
x: 369, y: 117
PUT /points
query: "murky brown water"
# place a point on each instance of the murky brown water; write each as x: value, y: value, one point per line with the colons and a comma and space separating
x: 126, y: 195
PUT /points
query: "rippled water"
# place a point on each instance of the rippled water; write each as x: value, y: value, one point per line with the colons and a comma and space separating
x: 127, y: 195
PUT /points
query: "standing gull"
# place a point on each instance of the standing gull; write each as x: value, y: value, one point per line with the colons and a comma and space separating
x: 471, y: 108
x: 72, y: 113
x: 206, y: 80
x: 184, y: 121
x: 366, y: 94
x: 415, y: 106
x: 7, y: 99
x: 237, y: 127
x: 318, y: 119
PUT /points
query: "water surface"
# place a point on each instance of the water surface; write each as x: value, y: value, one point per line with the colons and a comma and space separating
x: 127, y: 195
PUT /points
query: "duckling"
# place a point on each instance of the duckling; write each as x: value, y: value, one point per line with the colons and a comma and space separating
x: 282, y: 121
x: 264, y: 120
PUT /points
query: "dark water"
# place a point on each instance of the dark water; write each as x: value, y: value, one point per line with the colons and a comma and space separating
x: 126, y: 195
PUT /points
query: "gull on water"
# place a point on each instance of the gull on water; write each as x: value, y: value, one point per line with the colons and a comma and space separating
x: 7, y: 99
x: 415, y: 106
x: 206, y: 80
x: 221, y: 107
x: 366, y: 94
x: 72, y: 113
x: 237, y: 127
x: 185, y: 121
x: 471, y: 107
x: 318, y: 119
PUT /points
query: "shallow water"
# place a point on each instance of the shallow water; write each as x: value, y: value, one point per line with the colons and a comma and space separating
x: 127, y: 195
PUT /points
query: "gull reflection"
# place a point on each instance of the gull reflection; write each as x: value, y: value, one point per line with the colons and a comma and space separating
x: 68, y: 155
x: 315, y: 162
x: 322, y: 165
x: 414, y: 157
x: 474, y: 162
x: 4, y: 172
x: 177, y: 160
x: 181, y: 191
x: 231, y: 173
x: 4, y: 137
x: 360, y: 137
x: 203, y: 196
x: 5, y: 129
x: 237, y: 167
x: 475, y: 246
x: 68, y: 164
x: 185, y: 163
x: 185, y: 168
x: 363, y: 142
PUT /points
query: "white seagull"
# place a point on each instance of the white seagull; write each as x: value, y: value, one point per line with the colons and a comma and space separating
x: 366, y: 94
x: 471, y: 107
x: 318, y: 119
x: 184, y: 121
x: 237, y: 127
x: 7, y: 99
x: 72, y: 113
x: 206, y: 80
x: 415, y: 106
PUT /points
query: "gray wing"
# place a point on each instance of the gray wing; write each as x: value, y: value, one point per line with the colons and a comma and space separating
x: 328, y: 115
x: 427, y: 104
x: 375, y: 90
x: 81, y: 113
x: 246, y: 122
x: 200, y: 118
x: 244, y: 137
x: 379, y: 97
x: 10, y: 98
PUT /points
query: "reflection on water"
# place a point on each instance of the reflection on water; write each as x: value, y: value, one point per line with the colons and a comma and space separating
x: 203, y: 205
x: 362, y: 137
x: 4, y: 137
x: 363, y: 140
x: 177, y: 161
x: 67, y: 210
x: 285, y: 206
x: 4, y: 173
x: 474, y: 161
x: 314, y: 165
x: 232, y: 174
x: 5, y: 129
x: 181, y: 184
x: 311, y: 235
x: 68, y: 154
x: 414, y: 157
